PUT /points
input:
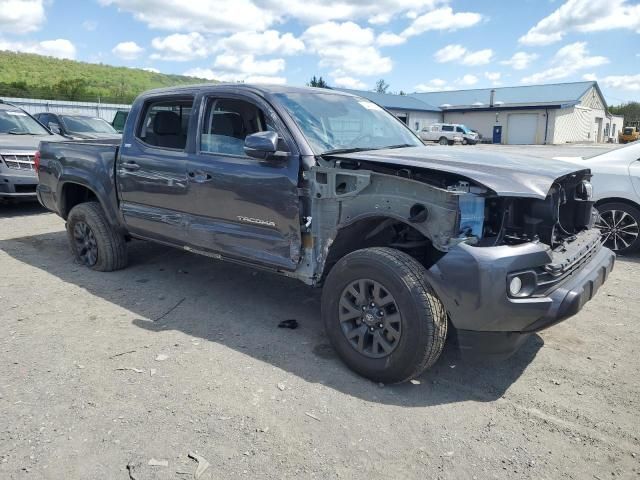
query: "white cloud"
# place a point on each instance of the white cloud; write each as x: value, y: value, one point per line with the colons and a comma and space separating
x: 216, y: 16
x: 198, y: 72
x: 222, y: 16
x: 590, y: 77
x: 583, y: 16
x: 459, y: 54
x: 467, y: 81
x: 347, y: 48
x: 248, y: 65
x: 567, y: 61
x: 629, y: 83
x: 434, y: 85
x: 269, y: 42
x: 349, y: 82
x: 151, y: 69
x: 390, y: 39
x: 520, y: 60
x: 480, y: 57
x: 377, y: 13
x: 442, y: 19
x: 209, y: 74
x: 493, y: 76
x: 60, y: 48
x: 180, y: 47
x: 127, y: 50
x: 450, y: 53
x: 21, y: 16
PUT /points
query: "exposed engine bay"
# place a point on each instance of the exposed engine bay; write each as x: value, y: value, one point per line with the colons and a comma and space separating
x: 487, y: 219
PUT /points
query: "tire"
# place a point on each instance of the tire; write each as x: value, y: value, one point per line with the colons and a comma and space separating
x: 624, y: 220
x: 416, y: 315
x: 465, y: 141
x: 93, y: 242
x: 443, y: 141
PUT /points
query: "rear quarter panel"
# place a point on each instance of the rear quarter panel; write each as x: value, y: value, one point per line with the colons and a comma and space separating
x: 89, y: 164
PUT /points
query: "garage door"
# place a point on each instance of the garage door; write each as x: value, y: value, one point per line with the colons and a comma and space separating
x: 522, y: 128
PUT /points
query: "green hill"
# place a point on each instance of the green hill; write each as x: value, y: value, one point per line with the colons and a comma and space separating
x: 36, y: 76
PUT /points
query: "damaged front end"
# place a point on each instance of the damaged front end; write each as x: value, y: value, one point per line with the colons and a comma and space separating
x: 499, y: 263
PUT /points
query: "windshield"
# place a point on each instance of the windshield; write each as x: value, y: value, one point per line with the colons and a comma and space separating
x: 16, y: 122
x: 333, y: 122
x: 465, y: 129
x: 86, y: 125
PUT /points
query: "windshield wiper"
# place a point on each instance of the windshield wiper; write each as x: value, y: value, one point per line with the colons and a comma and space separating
x: 347, y: 150
x: 402, y: 145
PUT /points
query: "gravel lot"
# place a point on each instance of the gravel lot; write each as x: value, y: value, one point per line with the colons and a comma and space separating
x: 103, y: 372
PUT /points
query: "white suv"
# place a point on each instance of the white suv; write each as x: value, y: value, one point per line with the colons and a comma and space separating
x: 443, y: 133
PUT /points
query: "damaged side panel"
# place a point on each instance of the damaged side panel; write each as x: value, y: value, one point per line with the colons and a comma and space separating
x: 341, y: 197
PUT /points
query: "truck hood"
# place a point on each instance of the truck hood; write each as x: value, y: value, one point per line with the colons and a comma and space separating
x: 507, y: 175
x: 27, y: 143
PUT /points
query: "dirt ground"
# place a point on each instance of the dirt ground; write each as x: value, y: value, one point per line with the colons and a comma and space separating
x: 102, y: 372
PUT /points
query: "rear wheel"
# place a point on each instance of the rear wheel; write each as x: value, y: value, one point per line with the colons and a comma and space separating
x: 443, y: 141
x: 619, y: 224
x: 93, y: 241
x: 381, y: 315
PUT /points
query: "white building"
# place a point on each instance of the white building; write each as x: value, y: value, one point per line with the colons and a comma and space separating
x: 534, y: 114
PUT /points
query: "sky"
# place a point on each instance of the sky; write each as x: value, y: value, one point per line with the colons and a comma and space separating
x: 414, y: 45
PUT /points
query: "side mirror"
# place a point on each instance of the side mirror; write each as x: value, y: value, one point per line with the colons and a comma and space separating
x: 261, y: 145
x: 54, y: 127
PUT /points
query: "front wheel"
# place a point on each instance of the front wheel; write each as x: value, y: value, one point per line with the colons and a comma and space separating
x: 465, y: 141
x: 93, y: 241
x: 443, y: 141
x: 382, y: 316
x: 619, y: 224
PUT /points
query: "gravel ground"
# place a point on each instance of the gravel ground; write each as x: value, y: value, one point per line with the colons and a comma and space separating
x: 103, y: 372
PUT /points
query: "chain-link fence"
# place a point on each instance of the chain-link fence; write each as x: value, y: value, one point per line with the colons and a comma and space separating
x: 98, y: 109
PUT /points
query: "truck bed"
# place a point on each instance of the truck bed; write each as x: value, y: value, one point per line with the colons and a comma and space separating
x: 90, y: 163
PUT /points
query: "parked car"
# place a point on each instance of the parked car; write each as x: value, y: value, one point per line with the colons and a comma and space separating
x: 628, y: 134
x: 469, y: 137
x: 119, y: 120
x: 20, y: 135
x: 77, y: 127
x: 442, y: 133
x: 616, y: 190
x: 409, y: 242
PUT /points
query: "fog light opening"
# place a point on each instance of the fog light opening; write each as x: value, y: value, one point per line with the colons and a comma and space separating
x: 515, y: 286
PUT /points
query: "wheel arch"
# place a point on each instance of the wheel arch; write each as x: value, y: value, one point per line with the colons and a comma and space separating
x: 377, y: 230
x: 626, y: 201
x: 73, y: 192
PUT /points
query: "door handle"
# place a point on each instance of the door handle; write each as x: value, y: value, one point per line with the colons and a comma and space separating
x: 131, y: 166
x: 199, y: 176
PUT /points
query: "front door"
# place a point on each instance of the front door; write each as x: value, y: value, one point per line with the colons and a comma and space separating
x: 239, y: 206
x: 152, y: 171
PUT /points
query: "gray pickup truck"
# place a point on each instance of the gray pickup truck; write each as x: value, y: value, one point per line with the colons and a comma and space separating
x: 20, y: 135
x: 411, y: 243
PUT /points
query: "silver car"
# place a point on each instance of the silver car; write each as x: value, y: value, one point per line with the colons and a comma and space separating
x: 20, y: 135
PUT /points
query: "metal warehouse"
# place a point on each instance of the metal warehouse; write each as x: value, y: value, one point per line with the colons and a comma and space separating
x: 533, y: 114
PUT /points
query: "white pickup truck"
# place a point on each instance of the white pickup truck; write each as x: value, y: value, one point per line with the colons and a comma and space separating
x: 443, y: 133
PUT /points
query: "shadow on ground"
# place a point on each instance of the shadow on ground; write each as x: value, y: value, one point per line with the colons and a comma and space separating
x: 240, y: 308
x: 20, y: 209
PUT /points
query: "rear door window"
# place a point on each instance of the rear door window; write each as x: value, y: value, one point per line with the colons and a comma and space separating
x: 165, y: 123
x: 447, y: 128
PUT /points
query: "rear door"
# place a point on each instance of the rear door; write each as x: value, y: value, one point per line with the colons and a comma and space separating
x: 152, y: 170
x: 240, y: 206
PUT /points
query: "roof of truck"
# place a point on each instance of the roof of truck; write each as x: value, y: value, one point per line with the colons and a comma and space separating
x: 263, y: 88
